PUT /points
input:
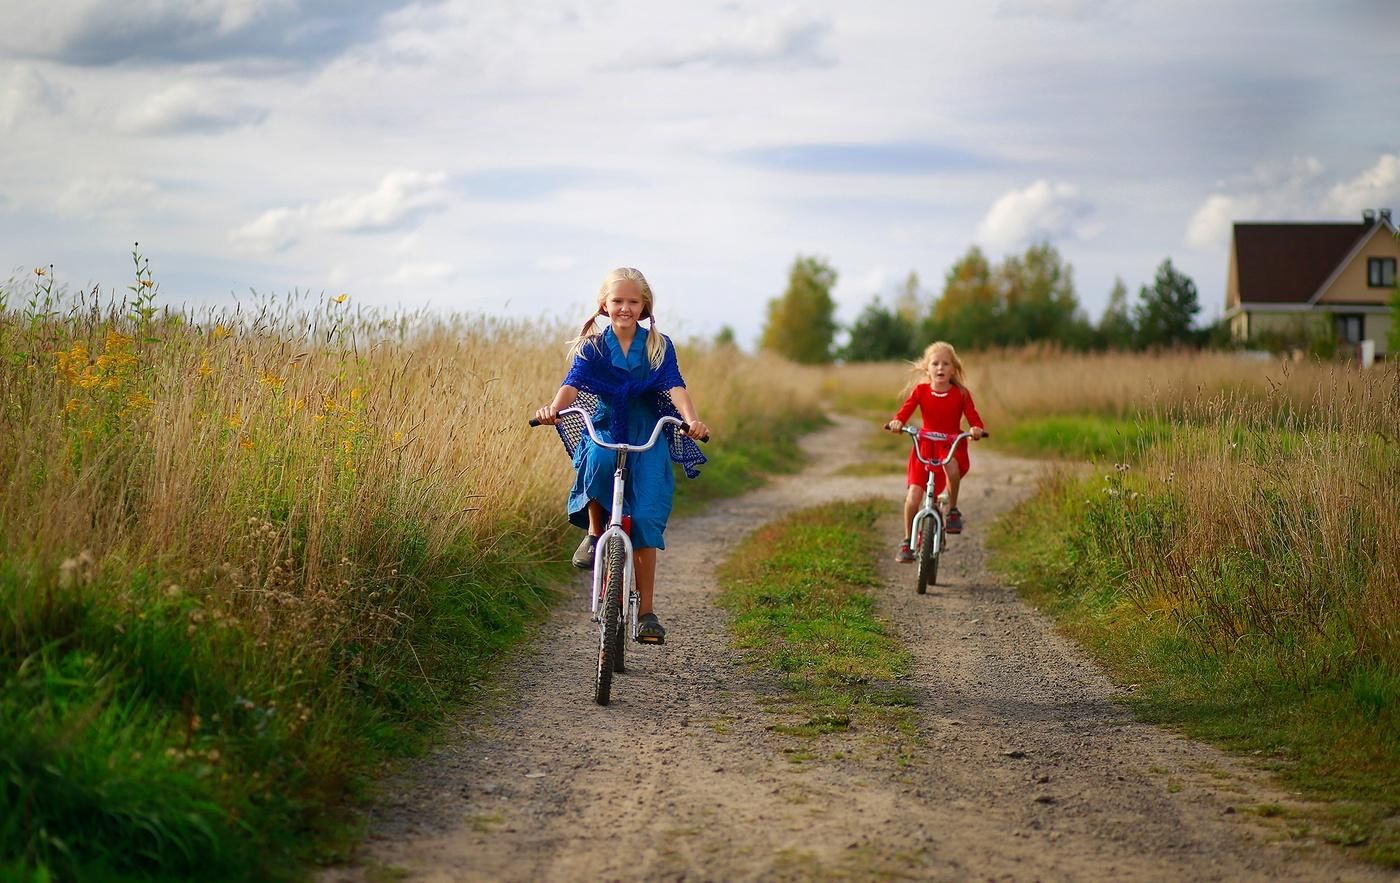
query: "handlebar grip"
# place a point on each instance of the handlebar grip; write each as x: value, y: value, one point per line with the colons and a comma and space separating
x: 534, y: 422
x: 685, y: 427
x: 986, y: 434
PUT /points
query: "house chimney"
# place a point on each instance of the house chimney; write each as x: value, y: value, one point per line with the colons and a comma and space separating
x: 1368, y: 216
x: 1385, y: 215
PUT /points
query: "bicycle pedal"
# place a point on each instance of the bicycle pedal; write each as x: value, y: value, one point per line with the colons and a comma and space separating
x: 653, y: 641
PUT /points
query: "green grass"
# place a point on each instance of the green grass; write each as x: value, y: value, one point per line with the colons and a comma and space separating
x: 1330, y: 727
x: 798, y: 591
x: 163, y: 746
x: 1082, y: 437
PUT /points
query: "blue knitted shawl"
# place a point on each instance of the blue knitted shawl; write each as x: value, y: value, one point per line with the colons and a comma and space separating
x: 597, y: 379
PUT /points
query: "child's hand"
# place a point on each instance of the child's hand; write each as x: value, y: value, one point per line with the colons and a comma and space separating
x: 977, y: 432
x: 547, y: 416
x: 894, y: 425
x: 698, y: 429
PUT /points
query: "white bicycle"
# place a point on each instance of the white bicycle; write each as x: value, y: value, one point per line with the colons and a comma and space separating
x: 929, y: 530
x: 613, y: 574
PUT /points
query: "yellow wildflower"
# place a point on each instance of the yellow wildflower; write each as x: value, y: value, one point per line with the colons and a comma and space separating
x: 270, y: 379
x: 396, y: 437
x: 245, y: 441
x: 204, y: 369
x: 355, y: 393
x: 294, y: 405
x: 235, y: 421
x: 138, y: 401
x: 347, y: 445
x: 72, y: 407
x: 319, y: 418
x: 341, y: 299
x: 220, y: 332
x: 40, y: 271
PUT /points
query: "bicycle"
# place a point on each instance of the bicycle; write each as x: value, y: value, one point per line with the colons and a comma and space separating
x: 930, y: 523
x: 613, y: 574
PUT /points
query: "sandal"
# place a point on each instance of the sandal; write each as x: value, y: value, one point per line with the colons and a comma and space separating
x: 583, y: 556
x: 649, y: 630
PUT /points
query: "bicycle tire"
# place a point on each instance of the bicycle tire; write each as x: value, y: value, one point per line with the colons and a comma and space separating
x: 609, y: 620
x: 620, y: 651
x: 928, y: 559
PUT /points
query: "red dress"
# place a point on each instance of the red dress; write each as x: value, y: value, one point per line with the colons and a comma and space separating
x: 942, y: 412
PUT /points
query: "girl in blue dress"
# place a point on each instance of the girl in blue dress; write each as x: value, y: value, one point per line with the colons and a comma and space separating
x: 628, y: 377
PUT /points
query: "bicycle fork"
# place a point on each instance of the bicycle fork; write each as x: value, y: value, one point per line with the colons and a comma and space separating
x: 926, y: 511
x: 616, y: 528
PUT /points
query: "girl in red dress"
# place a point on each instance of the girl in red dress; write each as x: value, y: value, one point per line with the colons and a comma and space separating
x: 944, y: 400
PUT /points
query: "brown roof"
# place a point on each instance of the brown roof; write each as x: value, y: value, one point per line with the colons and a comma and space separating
x: 1287, y: 263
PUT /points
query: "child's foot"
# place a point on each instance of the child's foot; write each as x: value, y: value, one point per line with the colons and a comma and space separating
x: 583, y: 556
x: 649, y: 630
x: 905, y: 555
x: 954, y: 521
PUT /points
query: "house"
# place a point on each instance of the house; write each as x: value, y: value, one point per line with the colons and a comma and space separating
x: 1291, y: 282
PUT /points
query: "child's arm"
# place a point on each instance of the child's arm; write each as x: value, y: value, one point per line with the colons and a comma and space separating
x: 681, y: 396
x: 565, y: 397
x: 974, y: 420
x: 905, y: 410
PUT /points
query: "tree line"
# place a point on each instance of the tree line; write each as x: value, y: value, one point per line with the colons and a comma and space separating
x: 1026, y: 298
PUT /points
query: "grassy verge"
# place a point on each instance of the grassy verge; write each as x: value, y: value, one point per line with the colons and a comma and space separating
x: 798, y: 593
x: 1082, y: 437
x: 1219, y: 647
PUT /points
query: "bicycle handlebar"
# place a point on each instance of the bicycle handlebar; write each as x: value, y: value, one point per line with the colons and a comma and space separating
x: 916, y: 434
x: 651, y: 442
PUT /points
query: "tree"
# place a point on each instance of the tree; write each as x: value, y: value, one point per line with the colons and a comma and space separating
x: 1116, y: 328
x: 968, y: 312
x: 725, y: 338
x: 1164, y: 312
x: 909, y: 300
x: 879, y: 334
x: 1040, y: 304
x: 802, y: 323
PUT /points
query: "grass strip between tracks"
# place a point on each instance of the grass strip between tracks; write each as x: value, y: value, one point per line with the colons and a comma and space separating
x: 798, y: 591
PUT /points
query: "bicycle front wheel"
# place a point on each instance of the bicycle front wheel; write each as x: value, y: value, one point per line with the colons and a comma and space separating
x: 609, y: 622
x: 929, y: 549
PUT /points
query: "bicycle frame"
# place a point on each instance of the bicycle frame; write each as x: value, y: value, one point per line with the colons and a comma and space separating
x: 615, y: 522
x: 928, y: 510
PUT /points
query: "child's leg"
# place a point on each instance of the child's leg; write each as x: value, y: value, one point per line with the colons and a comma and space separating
x: 644, y: 563
x: 912, y: 501
x: 954, y: 473
x: 597, y: 518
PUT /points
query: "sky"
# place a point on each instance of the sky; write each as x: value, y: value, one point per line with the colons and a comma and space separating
x: 501, y: 158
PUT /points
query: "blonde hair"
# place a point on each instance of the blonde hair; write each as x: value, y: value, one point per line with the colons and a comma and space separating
x: 591, y: 333
x: 925, y: 362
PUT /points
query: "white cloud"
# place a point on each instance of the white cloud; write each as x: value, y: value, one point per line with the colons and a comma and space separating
x: 1041, y: 211
x: 782, y: 37
x: 420, y: 273
x: 89, y: 195
x: 187, y: 108
x: 1293, y: 191
x: 1377, y: 187
x: 30, y: 94
x: 400, y: 201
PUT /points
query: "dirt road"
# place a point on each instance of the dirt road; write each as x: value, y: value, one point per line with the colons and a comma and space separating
x: 1028, y: 769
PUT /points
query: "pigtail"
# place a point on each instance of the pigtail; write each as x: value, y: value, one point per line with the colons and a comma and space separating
x: 656, y: 345
x: 589, y: 333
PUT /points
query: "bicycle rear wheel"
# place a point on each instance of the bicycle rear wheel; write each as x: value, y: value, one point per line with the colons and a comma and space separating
x: 929, y: 550
x: 609, y: 621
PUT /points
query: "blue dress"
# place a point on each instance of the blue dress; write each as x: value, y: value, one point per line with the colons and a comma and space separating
x: 650, y: 481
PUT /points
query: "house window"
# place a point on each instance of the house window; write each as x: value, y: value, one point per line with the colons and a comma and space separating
x: 1380, y: 272
x: 1349, y: 328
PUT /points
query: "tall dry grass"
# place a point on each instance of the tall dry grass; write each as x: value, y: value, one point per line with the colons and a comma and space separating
x: 1011, y: 386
